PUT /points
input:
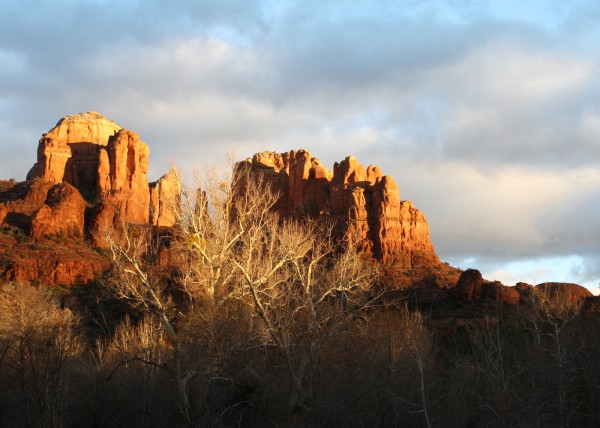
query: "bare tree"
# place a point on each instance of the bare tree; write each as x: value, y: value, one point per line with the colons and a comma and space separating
x: 135, y: 279
x: 38, y: 340
x: 552, y: 311
x: 229, y: 245
x: 497, y: 361
x: 299, y: 288
x: 410, y: 350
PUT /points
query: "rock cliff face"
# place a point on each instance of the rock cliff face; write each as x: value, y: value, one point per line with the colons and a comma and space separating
x: 122, y: 193
x: 70, y: 151
x: 108, y: 165
x: 90, y: 173
x: 164, y: 198
x: 363, y: 203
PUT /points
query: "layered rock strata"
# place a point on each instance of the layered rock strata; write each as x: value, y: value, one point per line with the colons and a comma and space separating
x: 363, y: 204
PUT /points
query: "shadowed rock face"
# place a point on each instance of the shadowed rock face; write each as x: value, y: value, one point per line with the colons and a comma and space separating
x: 363, y: 204
x: 497, y: 292
x: 469, y: 286
x: 564, y: 290
x: 472, y: 287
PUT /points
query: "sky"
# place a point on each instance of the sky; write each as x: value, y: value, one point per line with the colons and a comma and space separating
x: 486, y: 113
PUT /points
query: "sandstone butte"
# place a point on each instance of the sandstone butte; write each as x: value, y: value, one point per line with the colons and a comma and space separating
x: 363, y: 203
x: 91, y: 173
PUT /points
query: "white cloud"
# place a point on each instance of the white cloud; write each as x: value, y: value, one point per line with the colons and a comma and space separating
x: 489, y: 123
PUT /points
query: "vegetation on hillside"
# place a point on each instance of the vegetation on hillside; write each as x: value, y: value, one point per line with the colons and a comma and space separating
x: 235, y: 317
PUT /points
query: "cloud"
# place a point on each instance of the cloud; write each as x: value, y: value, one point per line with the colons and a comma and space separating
x: 486, y: 113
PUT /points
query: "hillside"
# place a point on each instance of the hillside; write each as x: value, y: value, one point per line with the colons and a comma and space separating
x: 293, y: 295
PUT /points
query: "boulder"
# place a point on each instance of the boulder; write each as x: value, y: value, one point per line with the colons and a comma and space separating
x: 497, y: 292
x: 469, y: 286
x: 19, y: 204
x: 62, y: 213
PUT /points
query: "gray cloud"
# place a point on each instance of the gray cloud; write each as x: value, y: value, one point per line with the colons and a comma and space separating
x: 488, y: 119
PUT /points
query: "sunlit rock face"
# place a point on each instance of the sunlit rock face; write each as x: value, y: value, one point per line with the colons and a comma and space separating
x: 123, y: 176
x: 564, y: 291
x: 363, y: 204
x: 62, y: 213
x: 71, y: 151
x: 107, y: 164
x: 164, y: 198
x: 122, y: 193
x: 42, y: 207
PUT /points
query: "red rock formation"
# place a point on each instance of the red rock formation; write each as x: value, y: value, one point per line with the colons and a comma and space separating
x: 123, y: 176
x: 70, y: 151
x: 164, y: 198
x: 363, y: 203
x: 107, y: 164
x: 22, y: 201
x: 62, y: 213
x: 564, y: 290
x: 89, y: 173
x: 497, y: 292
x: 89, y: 127
x: 53, y: 155
x: 42, y: 207
x: 472, y: 287
x: 123, y: 193
x: 67, y: 262
x: 469, y: 286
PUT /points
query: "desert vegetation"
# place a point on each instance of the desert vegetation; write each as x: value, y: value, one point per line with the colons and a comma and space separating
x: 237, y: 317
